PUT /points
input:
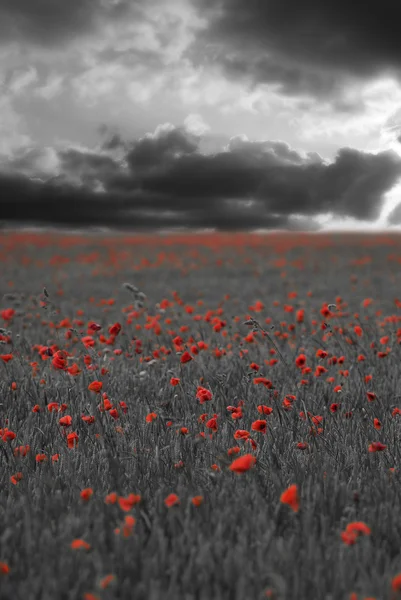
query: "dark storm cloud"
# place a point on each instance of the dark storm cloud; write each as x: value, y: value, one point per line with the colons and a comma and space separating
x: 227, y: 219
x: 27, y: 200
x: 112, y: 139
x: 306, y: 46
x: 284, y: 181
x: 88, y: 167
x: 25, y: 161
x: 353, y: 185
x: 163, y: 180
x: 222, y: 175
x: 278, y: 152
x: 51, y: 203
x: 54, y: 22
x: 163, y: 146
x: 113, y: 142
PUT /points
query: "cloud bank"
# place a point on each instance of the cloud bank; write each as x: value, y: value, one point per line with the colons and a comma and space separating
x: 309, y: 47
x: 163, y: 180
x: 56, y: 22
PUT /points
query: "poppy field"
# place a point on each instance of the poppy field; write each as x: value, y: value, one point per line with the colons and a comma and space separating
x: 196, y: 417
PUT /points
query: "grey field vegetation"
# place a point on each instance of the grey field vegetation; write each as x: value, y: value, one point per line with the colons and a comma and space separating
x: 200, y: 418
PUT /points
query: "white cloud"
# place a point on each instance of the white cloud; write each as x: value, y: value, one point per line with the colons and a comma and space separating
x: 52, y: 88
x: 165, y: 29
x: 94, y: 84
x: 145, y: 88
x: 200, y: 86
x: 373, y: 103
x: 20, y: 81
x: 11, y: 134
x: 34, y: 161
x: 196, y: 125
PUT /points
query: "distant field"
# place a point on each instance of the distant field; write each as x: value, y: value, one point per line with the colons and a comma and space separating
x: 153, y: 446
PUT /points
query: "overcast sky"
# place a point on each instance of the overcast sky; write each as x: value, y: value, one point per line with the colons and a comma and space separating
x: 227, y: 114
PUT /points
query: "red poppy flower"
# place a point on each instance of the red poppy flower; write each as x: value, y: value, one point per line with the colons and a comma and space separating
x: 115, y: 329
x: 7, y: 435
x: 88, y: 419
x: 127, y: 503
x: 6, y: 357
x: 377, y: 447
x: 59, y: 361
x: 366, y: 302
x: 72, y: 439
x: 212, y: 424
x: 203, y: 395
x: 348, y: 538
x: 264, y: 410
x: 396, y: 583
x: 353, y: 531
x: 243, y: 463
x: 88, y: 341
x: 74, y: 370
x: 186, y: 357
x: 86, y: 494
x: 259, y: 425
x: 7, y: 314
x: 358, y: 527
x: 21, y: 450
x: 171, y: 500
x: 95, y: 386
x: 16, y: 478
x: 300, y: 361
x: 4, y: 568
x: 263, y: 380
x: 80, y: 544
x: 105, y: 581
x: 290, y: 497
x: 111, y: 498
x: 114, y: 413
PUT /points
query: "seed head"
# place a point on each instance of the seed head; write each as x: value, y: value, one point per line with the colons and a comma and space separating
x: 130, y: 288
